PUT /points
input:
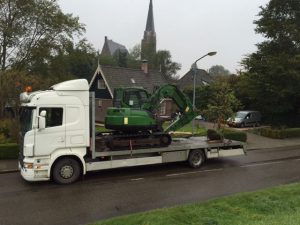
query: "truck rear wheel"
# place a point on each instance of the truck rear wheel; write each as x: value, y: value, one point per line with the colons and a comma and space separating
x: 66, y: 171
x: 196, y: 158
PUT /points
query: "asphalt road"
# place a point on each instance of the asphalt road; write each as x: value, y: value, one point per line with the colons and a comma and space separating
x: 112, y: 193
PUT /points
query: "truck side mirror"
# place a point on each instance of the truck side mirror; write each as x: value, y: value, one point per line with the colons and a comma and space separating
x: 42, y: 120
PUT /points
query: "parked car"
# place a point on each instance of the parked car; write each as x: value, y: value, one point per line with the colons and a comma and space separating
x: 244, y: 119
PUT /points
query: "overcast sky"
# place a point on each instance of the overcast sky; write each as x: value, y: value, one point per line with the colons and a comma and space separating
x: 188, y: 29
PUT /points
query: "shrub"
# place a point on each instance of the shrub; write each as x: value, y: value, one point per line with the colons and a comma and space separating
x: 9, y: 151
x: 280, y: 133
x: 271, y: 133
x: 3, y: 138
x: 9, y: 129
x: 235, y: 135
x: 291, y: 132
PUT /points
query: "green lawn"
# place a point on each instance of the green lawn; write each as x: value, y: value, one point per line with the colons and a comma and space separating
x: 101, y: 129
x: 275, y: 206
x: 199, y: 131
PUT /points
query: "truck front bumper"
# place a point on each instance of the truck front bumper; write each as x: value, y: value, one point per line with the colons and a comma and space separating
x: 33, y: 175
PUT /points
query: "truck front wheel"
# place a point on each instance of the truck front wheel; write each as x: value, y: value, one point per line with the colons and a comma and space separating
x: 66, y: 171
x: 196, y: 158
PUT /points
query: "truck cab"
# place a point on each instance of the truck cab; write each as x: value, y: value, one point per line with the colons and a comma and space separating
x: 54, y: 124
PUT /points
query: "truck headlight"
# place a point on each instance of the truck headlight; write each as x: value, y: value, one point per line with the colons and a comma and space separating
x: 28, y: 165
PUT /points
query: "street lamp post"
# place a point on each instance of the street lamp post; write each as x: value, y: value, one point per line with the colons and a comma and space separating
x: 194, y: 69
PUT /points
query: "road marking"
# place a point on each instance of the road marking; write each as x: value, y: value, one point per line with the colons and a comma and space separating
x: 263, y: 164
x: 201, y: 171
x: 136, y: 179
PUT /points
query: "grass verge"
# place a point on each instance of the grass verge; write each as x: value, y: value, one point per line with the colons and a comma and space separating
x: 9, y: 151
x: 275, y: 206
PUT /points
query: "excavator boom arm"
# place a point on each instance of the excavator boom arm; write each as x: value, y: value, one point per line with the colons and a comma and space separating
x: 186, y: 112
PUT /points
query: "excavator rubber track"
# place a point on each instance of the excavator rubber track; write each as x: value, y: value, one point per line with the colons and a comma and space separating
x: 106, y: 141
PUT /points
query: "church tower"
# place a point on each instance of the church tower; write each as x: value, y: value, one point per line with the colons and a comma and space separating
x: 148, y: 46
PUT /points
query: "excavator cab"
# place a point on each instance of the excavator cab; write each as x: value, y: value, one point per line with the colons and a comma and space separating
x: 130, y: 97
x: 127, y: 114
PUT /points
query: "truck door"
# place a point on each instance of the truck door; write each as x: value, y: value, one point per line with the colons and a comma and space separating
x: 53, y: 136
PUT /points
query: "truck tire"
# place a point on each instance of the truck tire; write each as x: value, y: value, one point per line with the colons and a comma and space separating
x: 196, y: 158
x: 66, y: 171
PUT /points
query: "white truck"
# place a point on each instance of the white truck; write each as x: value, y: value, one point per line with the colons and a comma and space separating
x: 58, y: 139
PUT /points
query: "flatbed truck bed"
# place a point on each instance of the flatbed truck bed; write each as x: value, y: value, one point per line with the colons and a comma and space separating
x: 181, y: 149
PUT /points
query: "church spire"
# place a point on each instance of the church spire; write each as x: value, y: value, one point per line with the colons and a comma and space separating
x: 150, y: 19
x: 148, y: 50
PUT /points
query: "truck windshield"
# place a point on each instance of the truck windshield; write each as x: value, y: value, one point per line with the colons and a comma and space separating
x: 26, y: 119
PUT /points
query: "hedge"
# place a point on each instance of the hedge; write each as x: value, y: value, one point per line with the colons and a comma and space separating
x: 235, y: 135
x: 280, y: 133
x: 9, y: 151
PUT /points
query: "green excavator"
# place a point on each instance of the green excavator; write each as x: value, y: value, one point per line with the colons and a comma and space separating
x: 134, y: 119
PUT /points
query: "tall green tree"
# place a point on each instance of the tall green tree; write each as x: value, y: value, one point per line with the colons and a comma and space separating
x: 134, y: 57
x: 33, y: 30
x: 218, y: 70
x: 163, y: 62
x: 222, y: 103
x: 217, y: 101
x: 121, y: 58
x: 82, y: 59
x: 272, y: 77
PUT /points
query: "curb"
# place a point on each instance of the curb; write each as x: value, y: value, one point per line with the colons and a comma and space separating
x: 9, y: 171
x: 273, y: 148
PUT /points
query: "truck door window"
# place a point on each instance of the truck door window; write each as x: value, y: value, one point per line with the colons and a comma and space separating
x: 54, y: 116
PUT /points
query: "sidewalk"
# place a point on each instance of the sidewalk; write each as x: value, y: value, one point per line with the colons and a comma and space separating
x: 258, y: 142
x: 8, y: 165
x: 253, y: 142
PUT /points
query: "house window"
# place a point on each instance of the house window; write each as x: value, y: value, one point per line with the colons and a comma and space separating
x: 101, y: 84
x: 99, y: 103
x: 163, y: 107
x: 132, y: 80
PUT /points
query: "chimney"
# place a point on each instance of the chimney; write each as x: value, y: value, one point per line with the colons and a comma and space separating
x: 105, y: 39
x: 145, y: 66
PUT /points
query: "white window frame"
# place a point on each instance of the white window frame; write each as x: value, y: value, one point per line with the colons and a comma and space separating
x: 100, y: 103
x: 163, y: 108
x: 101, y: 84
